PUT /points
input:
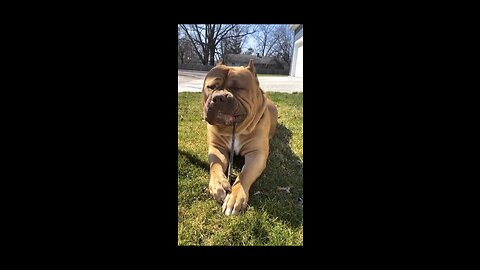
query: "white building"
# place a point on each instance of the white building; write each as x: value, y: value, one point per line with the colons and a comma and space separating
x: 296, y: 68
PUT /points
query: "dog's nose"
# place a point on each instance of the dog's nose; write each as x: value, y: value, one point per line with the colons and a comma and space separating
x: 221, y: 97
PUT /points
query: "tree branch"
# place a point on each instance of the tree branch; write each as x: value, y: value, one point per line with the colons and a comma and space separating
x: 193, y: 42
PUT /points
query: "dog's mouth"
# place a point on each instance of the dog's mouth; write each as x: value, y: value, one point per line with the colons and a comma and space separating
x: 227, y: 118
x: 221, y: 118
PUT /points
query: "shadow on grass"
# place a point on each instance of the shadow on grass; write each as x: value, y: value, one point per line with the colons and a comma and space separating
x: 195, y: 160
x: 279, y: 190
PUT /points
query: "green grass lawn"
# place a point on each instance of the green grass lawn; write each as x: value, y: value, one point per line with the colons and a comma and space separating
x: 275, y: 213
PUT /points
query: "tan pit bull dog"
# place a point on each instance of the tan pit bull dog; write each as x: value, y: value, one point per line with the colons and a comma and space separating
x: 232, y: 95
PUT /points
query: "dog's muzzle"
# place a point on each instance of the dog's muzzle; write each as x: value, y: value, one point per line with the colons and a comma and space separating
x: 220, y: 108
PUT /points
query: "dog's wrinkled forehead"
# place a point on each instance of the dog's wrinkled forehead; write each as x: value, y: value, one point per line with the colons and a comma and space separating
x: 216, y: 77
x: 224, y: 76
x: 218, y: 71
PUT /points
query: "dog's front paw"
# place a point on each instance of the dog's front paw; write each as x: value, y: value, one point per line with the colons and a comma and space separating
x: 219, y: 187
x: 235, y: 201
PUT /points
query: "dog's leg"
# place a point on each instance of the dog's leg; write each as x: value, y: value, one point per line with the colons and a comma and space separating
x: 236, y: 201
x: 219, y: 184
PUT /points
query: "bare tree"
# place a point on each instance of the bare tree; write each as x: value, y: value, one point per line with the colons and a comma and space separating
x: 284, y: 40
x: 181, y: 50
x: 265, y: 39
x: 186, y: 54
x: 231, y: 45
x: 274, y: 40
x: 207, y: 37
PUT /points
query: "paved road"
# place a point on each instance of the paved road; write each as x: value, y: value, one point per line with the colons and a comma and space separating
x: 192, y: 81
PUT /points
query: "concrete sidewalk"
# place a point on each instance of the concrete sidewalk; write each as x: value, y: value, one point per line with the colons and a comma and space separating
x: 192, y: 81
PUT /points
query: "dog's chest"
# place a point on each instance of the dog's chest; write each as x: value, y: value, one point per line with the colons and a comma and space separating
x: 237, y: 144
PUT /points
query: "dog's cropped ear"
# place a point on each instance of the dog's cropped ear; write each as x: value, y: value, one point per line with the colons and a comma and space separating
x: 251, y: 66
x: 220, y: 62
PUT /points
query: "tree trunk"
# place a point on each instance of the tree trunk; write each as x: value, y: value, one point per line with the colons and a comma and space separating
x: 205, y: 57
x: 212, y: 56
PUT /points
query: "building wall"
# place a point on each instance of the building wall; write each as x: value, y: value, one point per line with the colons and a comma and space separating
x: 296, y: 69
x: 297, y: 60
x: 299, y: 64
x: 299, y: 34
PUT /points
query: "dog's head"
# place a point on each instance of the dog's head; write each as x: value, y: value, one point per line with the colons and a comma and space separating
x: 230, y: 94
